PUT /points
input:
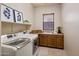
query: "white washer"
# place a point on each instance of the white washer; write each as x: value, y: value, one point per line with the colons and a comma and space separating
x: 30, y: 36
x: 33, y: 38
x: 8, y: 50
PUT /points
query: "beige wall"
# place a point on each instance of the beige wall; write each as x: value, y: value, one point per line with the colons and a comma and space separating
x: 0, y: 31
x: 70, y: 13
x: 55, y: 8
x: 0, y: 37
x: 26, y: 9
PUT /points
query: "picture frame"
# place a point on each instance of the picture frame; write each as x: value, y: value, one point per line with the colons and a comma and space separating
x: 6, y: 13
x: 18, y: 16
x: 10, y: 14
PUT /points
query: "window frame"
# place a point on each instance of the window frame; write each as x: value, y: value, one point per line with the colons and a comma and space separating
x: 53, y: 21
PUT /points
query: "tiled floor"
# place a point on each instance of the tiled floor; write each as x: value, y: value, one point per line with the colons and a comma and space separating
x: 45, y: 51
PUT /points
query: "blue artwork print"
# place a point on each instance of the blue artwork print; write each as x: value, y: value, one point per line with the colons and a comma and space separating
x: 9, y: 14
x: 6, y: 13
x: 18, y: 17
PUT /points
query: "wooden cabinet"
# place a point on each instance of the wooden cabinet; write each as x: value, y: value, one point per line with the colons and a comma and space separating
x: 60, y: 41
x: 51, y: 41
x: 43, y: 40
x: 56, y: 41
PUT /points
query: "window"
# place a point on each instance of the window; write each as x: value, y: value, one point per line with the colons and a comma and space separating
x: 48, y: 22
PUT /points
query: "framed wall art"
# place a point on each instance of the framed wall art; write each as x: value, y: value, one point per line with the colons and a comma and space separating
x: 9, y: 14
x: 18, y: 16
x: 6, y: 13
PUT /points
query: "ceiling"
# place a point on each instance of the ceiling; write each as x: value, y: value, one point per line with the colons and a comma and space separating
x: 44, y: 4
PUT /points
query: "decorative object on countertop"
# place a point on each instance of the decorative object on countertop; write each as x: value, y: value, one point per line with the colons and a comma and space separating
x: 59, y: 29
x: 25, y: 21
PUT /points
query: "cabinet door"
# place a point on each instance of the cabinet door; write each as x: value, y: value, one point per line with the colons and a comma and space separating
x: 60, y: 41
x: 43, y: 40
x: 52, y: 41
